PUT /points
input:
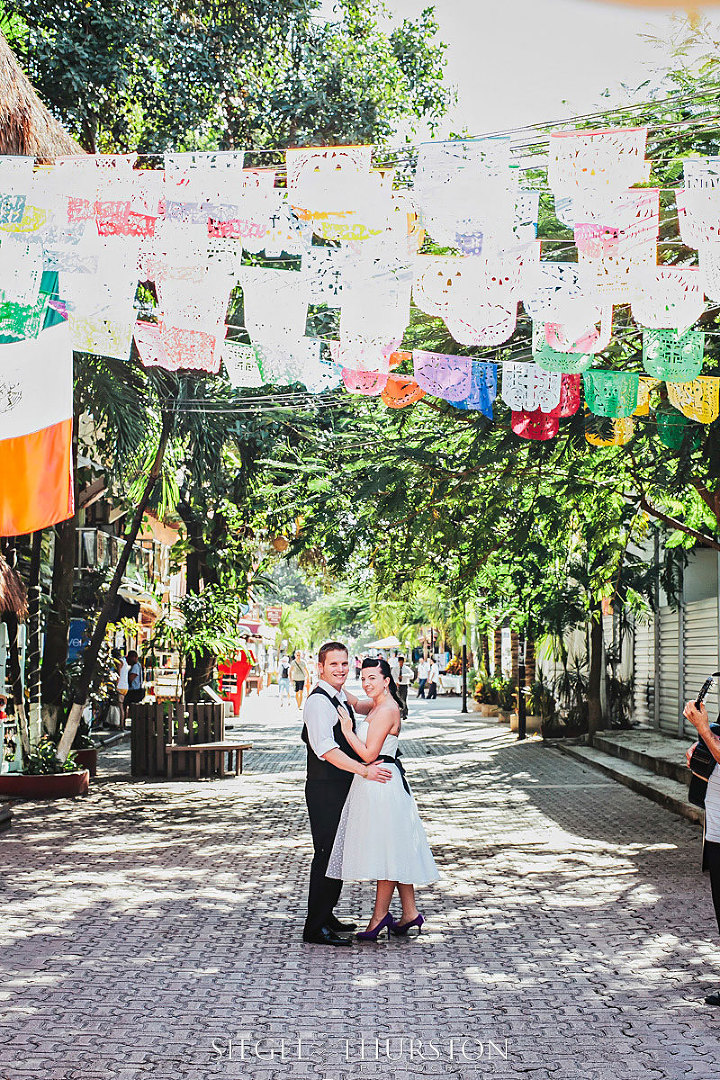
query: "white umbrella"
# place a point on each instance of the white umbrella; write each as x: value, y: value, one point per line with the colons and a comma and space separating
x: 385, y: 643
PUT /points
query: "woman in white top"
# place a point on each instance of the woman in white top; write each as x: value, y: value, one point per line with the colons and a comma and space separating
x: 711, y: 847
x: 380, y: 837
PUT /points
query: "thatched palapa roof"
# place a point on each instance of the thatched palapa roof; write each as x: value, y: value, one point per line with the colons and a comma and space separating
x: 13, y: 594
x: 26, y: 126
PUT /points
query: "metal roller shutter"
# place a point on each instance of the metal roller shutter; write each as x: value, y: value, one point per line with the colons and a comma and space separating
x: 669, y: 669
x: 700, y: 651
x: 644, y: 672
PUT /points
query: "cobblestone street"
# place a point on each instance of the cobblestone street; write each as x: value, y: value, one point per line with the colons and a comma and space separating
x: 149, y: 927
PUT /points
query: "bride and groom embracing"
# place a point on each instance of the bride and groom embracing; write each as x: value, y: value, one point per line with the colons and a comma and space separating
x: 363, y: 818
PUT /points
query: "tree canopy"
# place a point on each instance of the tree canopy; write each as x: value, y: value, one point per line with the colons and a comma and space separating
x: 194, y: 74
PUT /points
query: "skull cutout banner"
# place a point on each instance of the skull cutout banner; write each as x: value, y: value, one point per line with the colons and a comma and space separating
x: 668, y: 298
x: 592, y: 165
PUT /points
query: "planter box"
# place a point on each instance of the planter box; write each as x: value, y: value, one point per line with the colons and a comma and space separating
x: 488, y: 710
x: 52, y: 786
x: 88, y: 759
x: 532, y: 723
x: 503, y: 716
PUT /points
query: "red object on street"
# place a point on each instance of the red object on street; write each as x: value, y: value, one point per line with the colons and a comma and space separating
x: 231, y: 679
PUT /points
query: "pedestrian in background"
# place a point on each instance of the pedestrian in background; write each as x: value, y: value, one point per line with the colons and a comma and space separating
x: 423, y: 669
x: 432, y: 679
x: 403, y: 675
x: 284, y: 680
x: 300, y: 676
x: 136, y: 680
x: 123, y: 672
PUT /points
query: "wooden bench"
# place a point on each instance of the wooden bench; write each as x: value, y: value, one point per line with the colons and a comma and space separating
x: 198, y: 749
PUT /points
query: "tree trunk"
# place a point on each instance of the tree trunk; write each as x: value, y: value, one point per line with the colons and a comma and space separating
x: 198, y: 670
x: 485, y: 651
x: 33, y: 640
x: 16, y: 683
x: 91, y: 652
x: 595, y: 717
x: 198, y: 673
x: 57, y: 621
x: 57, y: 624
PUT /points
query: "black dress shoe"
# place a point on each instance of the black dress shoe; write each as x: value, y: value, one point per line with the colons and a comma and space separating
x: 341, y: 927
x: 713, y: 999
x: 326, y: 936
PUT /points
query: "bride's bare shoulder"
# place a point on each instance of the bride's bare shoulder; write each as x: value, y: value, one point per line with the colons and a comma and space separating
x: 389, y: 714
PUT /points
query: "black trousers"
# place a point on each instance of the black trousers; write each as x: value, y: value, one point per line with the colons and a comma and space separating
x: 402, y: 694
x: 432, y: 691
x: 711, y: 858
x: 325, y: 800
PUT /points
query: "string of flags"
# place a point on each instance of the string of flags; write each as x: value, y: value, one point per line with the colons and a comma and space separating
x: 149, y: 262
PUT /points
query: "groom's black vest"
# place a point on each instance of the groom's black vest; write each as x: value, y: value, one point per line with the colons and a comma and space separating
x: 318, y: 768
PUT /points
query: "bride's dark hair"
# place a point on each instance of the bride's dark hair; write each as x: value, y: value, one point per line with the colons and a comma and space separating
x: 378, y: 661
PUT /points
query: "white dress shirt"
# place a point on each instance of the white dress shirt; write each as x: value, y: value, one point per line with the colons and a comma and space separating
x: 320, y: 716
x: 712, y: 807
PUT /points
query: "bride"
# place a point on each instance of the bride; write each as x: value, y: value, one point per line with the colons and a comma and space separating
x: 381, y: 837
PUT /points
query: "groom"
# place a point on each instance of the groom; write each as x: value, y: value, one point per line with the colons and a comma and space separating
x: 331, y: 762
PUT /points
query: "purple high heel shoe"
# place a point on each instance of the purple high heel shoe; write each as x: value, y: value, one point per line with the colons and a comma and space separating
x: 388, y: 923
x: 401, y: 929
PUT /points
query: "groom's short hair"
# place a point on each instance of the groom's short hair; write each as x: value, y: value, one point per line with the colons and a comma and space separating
x: 328, y: 647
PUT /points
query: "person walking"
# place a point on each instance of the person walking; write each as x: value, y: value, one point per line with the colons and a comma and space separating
x: 284, y: 680
x: 331, y: 764
x: 432, y: 679
x: 123, y: 673
x: 403, y: 675
x: 709, y: 734
x: 423, y: 669
x: 299, y: 676
x: 136, y: 680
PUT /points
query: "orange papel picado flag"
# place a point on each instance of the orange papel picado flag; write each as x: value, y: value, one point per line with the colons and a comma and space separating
x: 36, y: 409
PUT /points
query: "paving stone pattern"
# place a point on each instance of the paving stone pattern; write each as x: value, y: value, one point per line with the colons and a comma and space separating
x: 150, y: 928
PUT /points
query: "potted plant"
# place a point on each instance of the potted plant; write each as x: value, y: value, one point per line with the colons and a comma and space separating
x: 44, y: 776
x: 484, y: 699
x: 85, y: 750
x: 505, y: 690
x: 540, y: 707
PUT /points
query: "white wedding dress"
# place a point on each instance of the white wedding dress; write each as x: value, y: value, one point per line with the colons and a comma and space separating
x: 381, y: 836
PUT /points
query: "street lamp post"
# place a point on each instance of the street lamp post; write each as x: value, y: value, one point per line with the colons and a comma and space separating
x: 522, y: 645
x: 464, y: 671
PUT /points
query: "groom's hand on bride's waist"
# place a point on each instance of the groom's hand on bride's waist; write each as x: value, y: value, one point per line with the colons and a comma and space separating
x: 379, y: 773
